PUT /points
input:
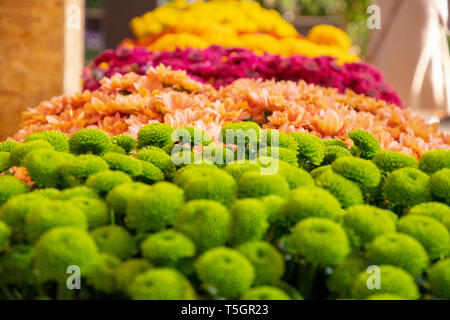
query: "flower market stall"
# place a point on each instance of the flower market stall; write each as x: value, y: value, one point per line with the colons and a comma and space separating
x: 220, y: 154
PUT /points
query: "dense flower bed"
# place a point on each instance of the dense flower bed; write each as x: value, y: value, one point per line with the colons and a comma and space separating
x: 235, y: 24
x: 141, y: 224
x: 221, y: 66
x: 125, y: 103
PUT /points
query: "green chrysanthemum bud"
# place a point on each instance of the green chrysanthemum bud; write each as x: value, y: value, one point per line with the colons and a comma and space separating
x: 155, y: 134
x: 89, y: 141
x: 440, y: 185
x: 51, y: 215
x: 310, y: 148
x: 105, y: 181
x: 161, y: 284
x: 435, y: 160
x: 115, y: 240
x: 308, y: 202
x: 224, y: 272
x: 393, y: 281
x: 388, y: 161
x: 154, y: 208
x: 75, y: 171
x: 124, y: 163
x: 128, y: 270
x: 166, y: 248
x: 160, y: 159
x: 320, y: 241
x: 439, y: 279
x: 124, y: 141
x: 367, y: 144
x: 364, y: 223
x: 334, y: 152
x: 60, y: 248
x: 399, y: 250
x: 95, y: 210
x: 432, y: 234
x: 347, y: 192
x: 255, y: 185
x: 206, y: 222
x: 57, y: 139
x: 15, y: 266
x: 19, y: 152
x: 363, y: 172
x: 248, y: 221
x: 8, y: 146
x: 11, y: 187
x: 266, y: 260
x: 103, y: 276
x: 407, y: 187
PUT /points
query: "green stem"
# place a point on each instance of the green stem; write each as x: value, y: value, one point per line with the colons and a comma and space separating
x: 307, y: 274
x: 112, y: 217
x: 7, y: 293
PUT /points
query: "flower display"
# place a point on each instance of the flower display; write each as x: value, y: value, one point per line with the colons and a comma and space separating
x: 221, y: 66
x: 179, y: 24
x: 144, y: 225
x: 124, y: 103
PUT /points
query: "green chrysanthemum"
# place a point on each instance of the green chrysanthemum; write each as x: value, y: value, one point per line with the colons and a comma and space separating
x: 440, y: 185
x: 255, y: 185
x: 308, y: 202
x: 310, y: 148
x: 393, y: 281
x: 124, y: 163
x: 399, y: 250
x: 117, y: 199
x: 206, y: 222
x: 363, y: 172
x: 266, y: 260
x: 57, y: 139
x: 128, y: 270
x: 407, y: 187
x: 195, y: 136
x: 344, y: 275
x: 75, y: 171
x: 364, y: 223
x: 15, y: 266
x: 154, y: 208
x: 51, y: 215
x: 95, y: 210
x: 166, y: 248
x: 248, y: 221
x: 19, y: 152
x: 334, y: 152
x: 282, y: 154
x: 103, y: 276
x: 43, y: 166
x: 436, y: 210
x: 8, y: 146
x: 115, y: 240
x: 155, y: 134
x: 5, y: 233
x: 346, y: 191
x: 89, y: 141
x: 435, y: 160
x: 10, y: 187
x: 320, y: 241
x: 367, y: 144
x: 124, y: 141
x: 60, y: 248
x: 207, y: 183
x: 161, y: 284
x: 295, y: 177
x: 160, y: 159
x: 439, y: 279
x: 225, y: 272
x: 105, y: 181
x: 432, y: 234
x: 4, y: 161
x: 388, y: 161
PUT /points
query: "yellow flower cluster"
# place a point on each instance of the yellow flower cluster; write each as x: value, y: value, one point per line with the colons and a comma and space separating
x: 233, y: 23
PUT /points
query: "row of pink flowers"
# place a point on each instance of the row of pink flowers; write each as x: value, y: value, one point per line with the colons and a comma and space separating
x: 124, y: 103
x: 221, y: 66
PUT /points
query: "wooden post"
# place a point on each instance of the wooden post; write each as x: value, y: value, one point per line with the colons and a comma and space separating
x: 41, y: 54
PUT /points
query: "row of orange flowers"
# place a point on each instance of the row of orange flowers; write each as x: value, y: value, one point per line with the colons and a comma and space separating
x: 125, y: 103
